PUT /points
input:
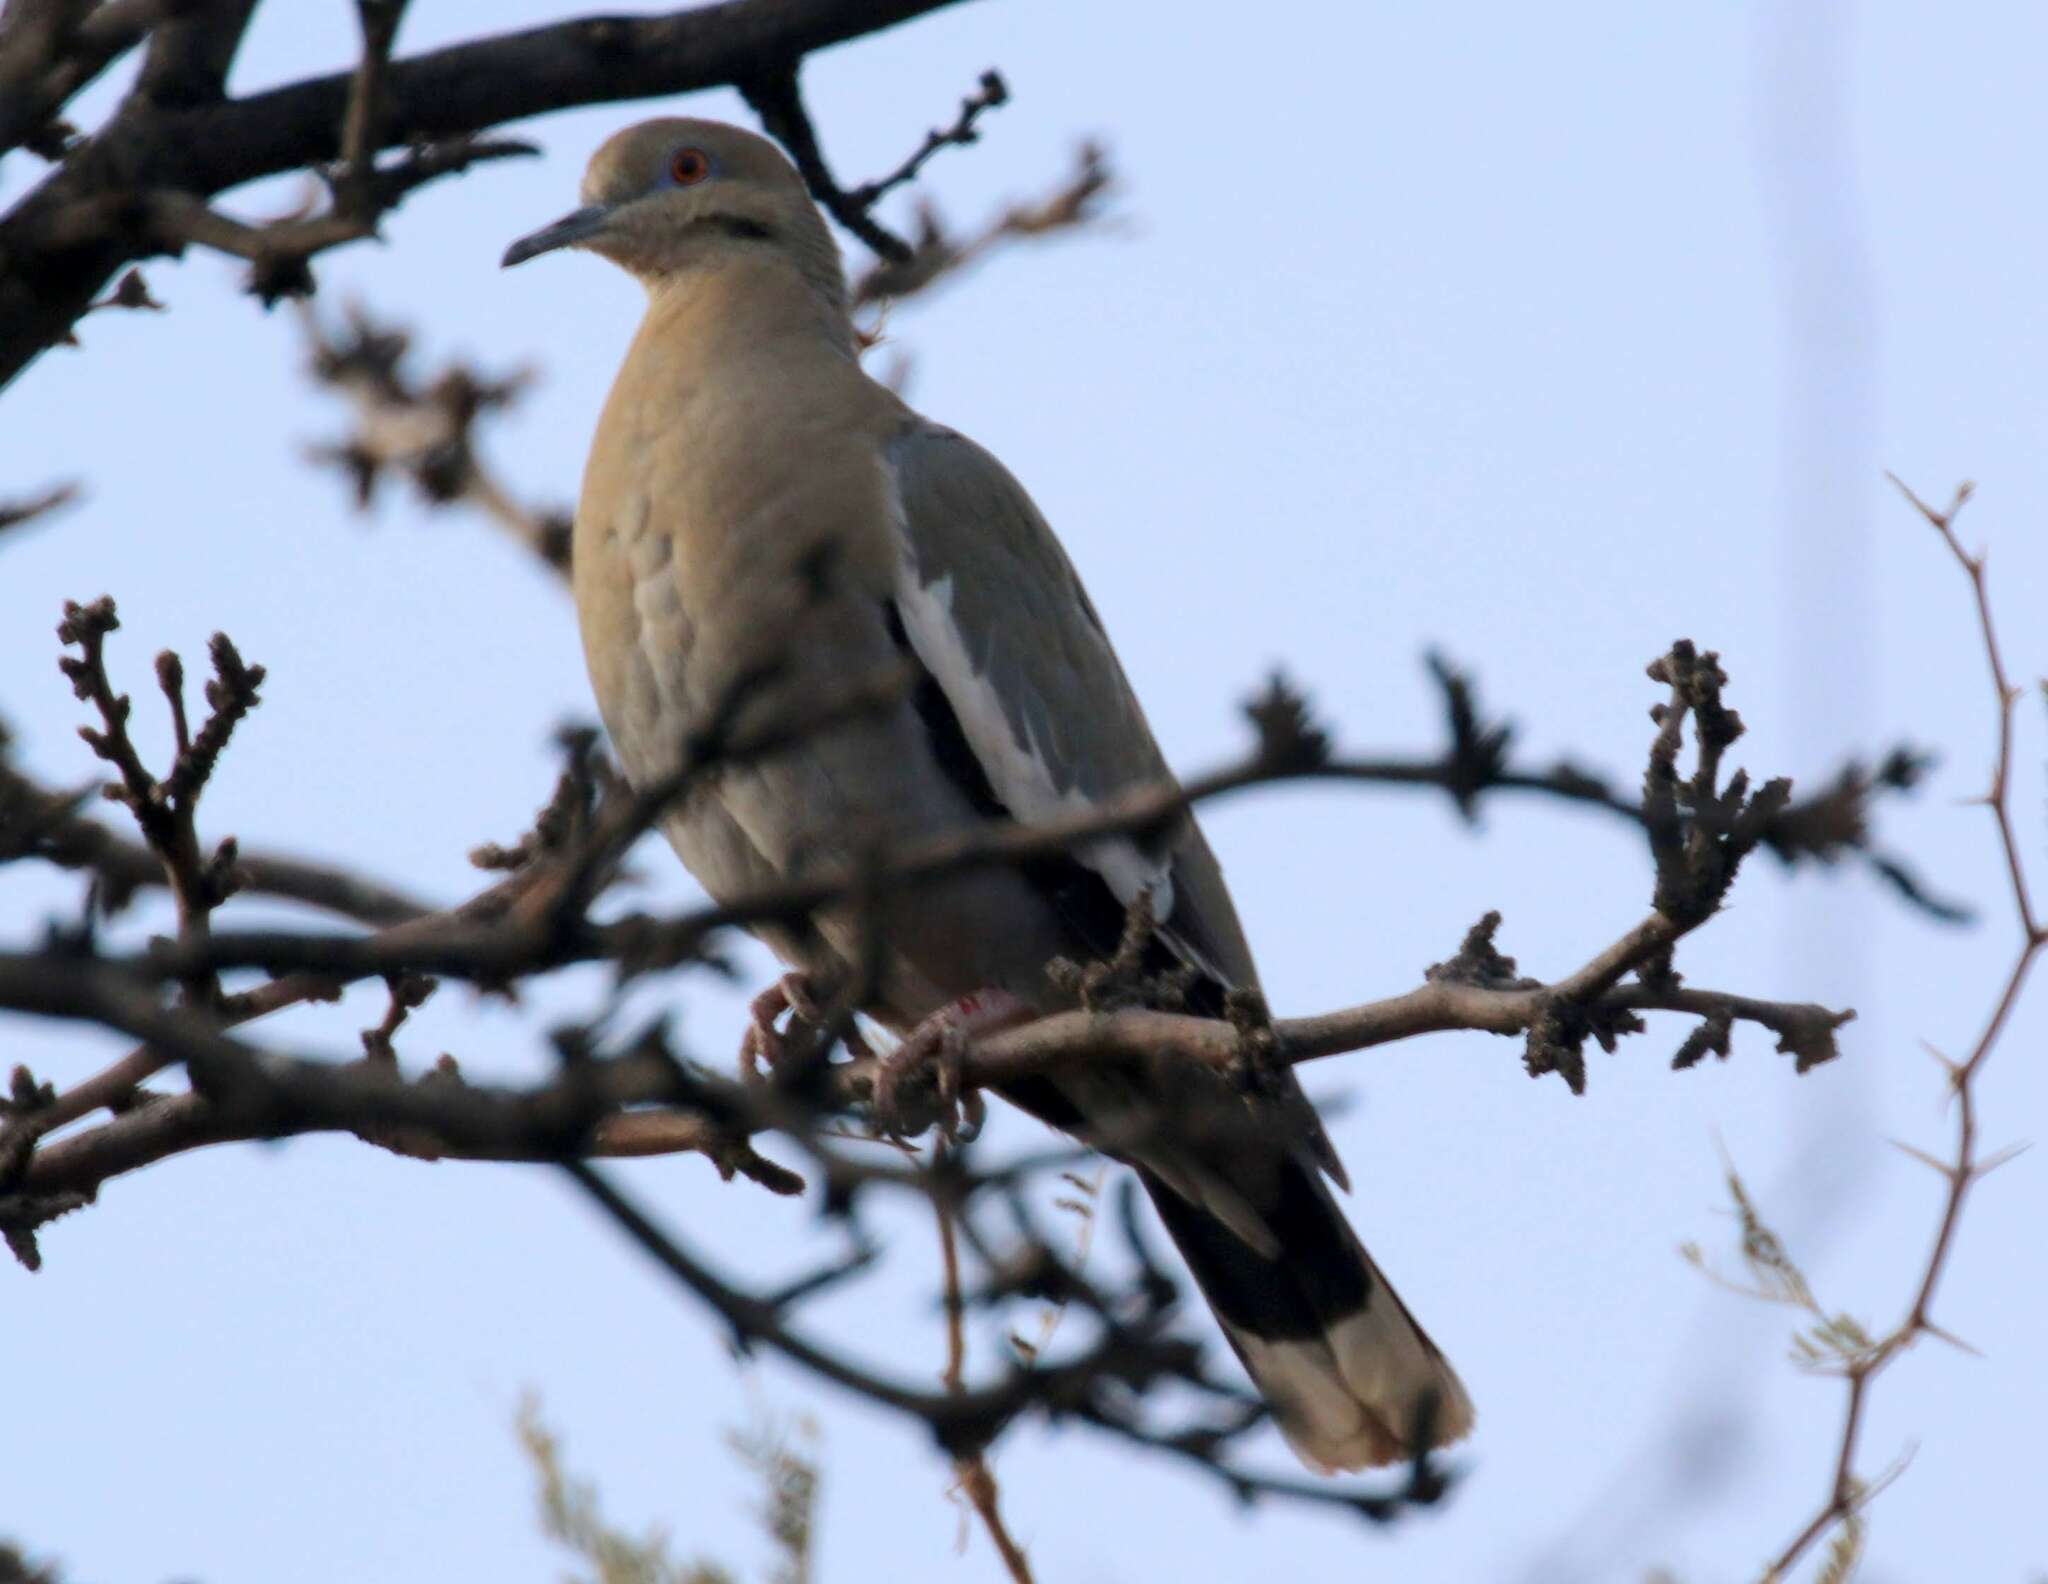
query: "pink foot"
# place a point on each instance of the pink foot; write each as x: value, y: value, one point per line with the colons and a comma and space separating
x: 939, y: 1043
x: 765, y: 1045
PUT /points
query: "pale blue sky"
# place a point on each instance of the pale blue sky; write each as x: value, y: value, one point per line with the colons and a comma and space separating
x: 1545, y: 336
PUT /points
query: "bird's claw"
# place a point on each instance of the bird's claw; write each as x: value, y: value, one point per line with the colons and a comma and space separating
x: 938, y: 1047
x: 765, y: 1047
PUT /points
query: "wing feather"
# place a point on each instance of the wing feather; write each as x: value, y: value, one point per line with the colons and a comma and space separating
x: 995, y: 612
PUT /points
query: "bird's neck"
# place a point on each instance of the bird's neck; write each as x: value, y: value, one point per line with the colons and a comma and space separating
x: 735, y: 308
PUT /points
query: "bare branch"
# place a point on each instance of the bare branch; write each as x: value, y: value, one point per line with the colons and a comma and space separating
x: 92, y: 217
x: 16, y: 512
x: 1130, y: 1356
x: 165, y: 810
x: 937, y: 254
x: 1847, y: 1491
x: 777, y: 98
x: 425, y: 431
x: 355, y: 175
x: 990, y: 93
x: 49, y: 52
x: 240, y: 1094
x: 38, y: 822
x: 278, y: 251
x: 187, y: 63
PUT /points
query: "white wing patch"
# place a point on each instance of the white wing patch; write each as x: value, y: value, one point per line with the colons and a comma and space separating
x: 1016, y: 767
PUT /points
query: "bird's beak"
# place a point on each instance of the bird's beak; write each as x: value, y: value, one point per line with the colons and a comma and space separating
x: 577, y: 226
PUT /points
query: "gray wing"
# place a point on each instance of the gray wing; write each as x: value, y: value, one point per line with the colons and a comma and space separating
x: 996, y: 614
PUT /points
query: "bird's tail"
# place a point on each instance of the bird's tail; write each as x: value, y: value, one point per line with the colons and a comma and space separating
x: 1350, y: 1377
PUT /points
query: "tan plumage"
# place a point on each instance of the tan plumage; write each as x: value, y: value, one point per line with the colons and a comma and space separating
x: 753, y: 500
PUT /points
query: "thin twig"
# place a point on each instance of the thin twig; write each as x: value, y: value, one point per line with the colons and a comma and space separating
x: 777, y: 98
x: 424, y: 430
x: 990, y: 93
x: 1846, y: 1492
x: 354, y: 179
x: 13, y: 513
x: 964, y: 1421
x: 974, y: 1478
x: 938, y: 254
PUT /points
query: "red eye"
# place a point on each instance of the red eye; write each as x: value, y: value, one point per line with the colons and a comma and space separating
x: 689, y: 166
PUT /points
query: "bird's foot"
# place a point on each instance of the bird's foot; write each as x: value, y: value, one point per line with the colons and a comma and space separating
x: 937, y: 1047
x: 764, y: 1045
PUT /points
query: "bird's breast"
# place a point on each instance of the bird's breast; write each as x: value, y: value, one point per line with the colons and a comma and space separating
x: 729, y: 525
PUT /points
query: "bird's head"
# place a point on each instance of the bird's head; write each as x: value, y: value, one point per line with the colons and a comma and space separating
x: 672, y: 196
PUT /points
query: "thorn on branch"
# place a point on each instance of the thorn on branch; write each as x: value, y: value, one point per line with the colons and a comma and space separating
x: 274, y: 277
x: 130, y: 292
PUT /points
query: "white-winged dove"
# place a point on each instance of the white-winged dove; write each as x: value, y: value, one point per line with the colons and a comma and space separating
x: 756, y: 506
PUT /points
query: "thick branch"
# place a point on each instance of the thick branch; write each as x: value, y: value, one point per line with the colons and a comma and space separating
x: 188, y: 59
x: 124, y: 866
x: 1070, y: 1039
x: 166, y: 1126
x: 244, y: 1093
x: 49, y: 52
x: 493, y: 953
x: 308, y: 1096
x: 184, y: 141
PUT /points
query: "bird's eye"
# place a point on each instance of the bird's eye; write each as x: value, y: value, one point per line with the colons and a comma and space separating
x: 689, y: 166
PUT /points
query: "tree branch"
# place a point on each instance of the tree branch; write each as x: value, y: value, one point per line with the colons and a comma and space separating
x: 66, y: 239
x: 189, y: 57
x: 777, y: 98
x: 1126, y: 1358
x: 1847, y: 1491
x: 49, y: 52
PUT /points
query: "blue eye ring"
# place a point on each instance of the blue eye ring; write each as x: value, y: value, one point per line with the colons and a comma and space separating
x: 688, y: 166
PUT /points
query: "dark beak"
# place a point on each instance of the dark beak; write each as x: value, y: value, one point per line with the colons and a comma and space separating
x: 579, y: 226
